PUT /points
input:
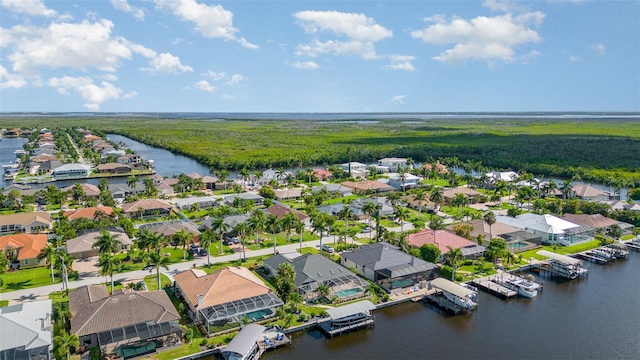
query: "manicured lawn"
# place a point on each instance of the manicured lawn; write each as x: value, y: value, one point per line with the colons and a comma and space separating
x: 59, y: 296
x: 563, y: 250
x: 4, y: 303
x: 152, y: 281
x: 341, y: 200
x: 27, y: 278
x: 184, y: 350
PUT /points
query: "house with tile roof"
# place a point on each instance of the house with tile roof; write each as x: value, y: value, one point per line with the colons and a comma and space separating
x: 23, y: 249
x: 226, y: 297
x: 322, y: 174
x: 446, y: 241
x: 288, y: 194
x: 313, y: 271
x: 365, y: 186
x: 88, y: 189
x: 26, y: 331
x: 147, y: 208
x: 89, y: 212
x: 31, y: 222
x: 589, y: 193
x: 82, y: 246
x: 127, y: 323
x: 450, y: 194
x: 390, y: 268
x: 280, y: 211
x: 597, y: 221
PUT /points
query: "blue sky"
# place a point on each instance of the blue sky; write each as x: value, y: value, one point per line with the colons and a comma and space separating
x: 319, y: 56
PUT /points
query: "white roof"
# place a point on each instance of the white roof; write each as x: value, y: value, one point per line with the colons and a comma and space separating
x: 504, y: 175
x: 545, y: 223
x: 451, y: 287
x: 350, y: 309
x: 193, y: 200
x: 407, y: 177
x: 354, y: 164
x: 561, y: 258
x: 26, y: 325
x: 67, y: 167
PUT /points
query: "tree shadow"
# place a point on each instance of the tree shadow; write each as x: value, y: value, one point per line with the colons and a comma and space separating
x: 17, y: 285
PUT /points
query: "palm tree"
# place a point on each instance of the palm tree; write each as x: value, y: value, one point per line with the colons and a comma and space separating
x: 436, y: 196
x: 401, y: 214
x: 319, y: 224
x: 309, y: 173
x: 223, y: 176
x: 49, y: 253
x: 256, y: 223
x: 346, y: 213
x: 369, y: 209
x: 184, y: 239
x: 420, y: 196
x: 132, y: 181
x: 460, y: 200
x: 107, y: 243
x: 490, y: 218
x: 242, y: 229
x: 401, y: 242
x: 63, y: 263
x: 566, y: 189
x: 159, y: 261
x: 220, y: 227
x: 273, y: 225
x: 454, y: 256
x: 61, y: 313
x: 64, y: 342
x: 322, y: 291
x: 394, y: 198
x: 285, y: 281
x: 206, y: 239
x: 372, y: 290
x: 288, y: 222
x: 299, y: 227
x: 109, y: 264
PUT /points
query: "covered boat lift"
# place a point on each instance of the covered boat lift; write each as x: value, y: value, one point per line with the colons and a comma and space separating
x: 348, y: 317
x: 564, y: 266
x: 451, y: 296
x: 244, y: 346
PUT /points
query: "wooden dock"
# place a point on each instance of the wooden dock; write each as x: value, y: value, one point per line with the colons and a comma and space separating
x: 591, y: 258
x: 495, y: 289
x: 437, y: 299
x: 634, y: 246
x: 326, y: 327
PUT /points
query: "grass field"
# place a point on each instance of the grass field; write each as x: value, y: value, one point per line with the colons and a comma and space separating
x: 559, y: 147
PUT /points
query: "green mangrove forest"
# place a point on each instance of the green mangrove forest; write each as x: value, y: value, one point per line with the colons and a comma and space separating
x: 591, y: 149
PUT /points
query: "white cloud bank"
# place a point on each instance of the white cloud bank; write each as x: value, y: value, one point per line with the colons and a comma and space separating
x: 205, y: 86
x: 124, y: 6
x: 93, y: 94
x: 28, y: 7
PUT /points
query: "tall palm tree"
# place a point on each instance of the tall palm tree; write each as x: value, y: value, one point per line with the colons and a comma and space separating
x: 369, y: 209
x: 242, y: 229
x: 220, y: 227
x: 49, y: 253
x: 436, y: 196
x: 132, y: 181
x: 256, y: 222
x: 420, y: 196
x: 402, y: 242
x: 206, y: 239
x: 109, y: 264
x: 158, y: 261
x: 299, y: 227
x: 490, y: 218
x: 319, y: 224
x: 454, y: 256
x: 63, y: 263
x: 63, y: 343
x: 401, y: 214
x: 346, y: 213
x: 107, y: 243
x: 61, y: 313
x: 288, y: 222
x: 223, y: 176
x: 184, y: 239
x: 273, y: 225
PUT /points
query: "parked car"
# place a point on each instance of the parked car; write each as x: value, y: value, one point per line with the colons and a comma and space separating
x: 366, y: 230
x: 328, y: 248
x: 202, y: 252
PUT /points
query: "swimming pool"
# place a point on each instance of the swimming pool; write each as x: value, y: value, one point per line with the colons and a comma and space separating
x: 518, y: 245
x: 348, y: 292
x: 401, y: 283
x: 259, y: 315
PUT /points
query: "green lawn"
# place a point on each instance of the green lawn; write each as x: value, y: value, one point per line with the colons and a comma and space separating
x: 27, y: 278
x: 563, y: 250
x: 152, y: 281
x: 4, y: 303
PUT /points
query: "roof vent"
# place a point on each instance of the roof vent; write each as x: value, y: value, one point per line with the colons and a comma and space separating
x: 200, y: 299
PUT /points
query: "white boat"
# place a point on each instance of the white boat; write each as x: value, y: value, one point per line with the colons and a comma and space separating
x: 528, y: 289
x: 351, y: 319
x: 463, y: 302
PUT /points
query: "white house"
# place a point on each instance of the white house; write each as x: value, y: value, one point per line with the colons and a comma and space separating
x: 503, y: 176
x: 410, y: 181
x: 393, y: 164
x: 551, y: 229
x: 71, y: 171
x: 357, y: 169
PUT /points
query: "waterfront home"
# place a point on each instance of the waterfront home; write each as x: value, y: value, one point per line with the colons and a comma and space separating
x: 288, y: 194
x: 48, y: 166
x: 89, y: 190
x: 333, y: 189
x: 393, y: 164
x: 481, y: 228
x: 226, y: 297
x: 120, y: 192
x: 194, y: 203
x: 404, y: 181
x: 597, y: 221
x: 446, y: 241
x: 43, y: 157
x: 211, y: 183
x: 169, y: 229
x: 71, y: 171
x: 358, y: 170
x: 146, y: 208
x: 272, y: 175
x: 230, y: 220
x: 507, y: 176
x: 313, y: 271
x: 26, y: 331
x: 129, y: 159
x: 127, y: 323
x: 93, y: 213
x: 368, y: 186
x: 12, y: 133
x: 387, y: 266
x: 281, y: 210
x: 32, y: 222
x: 441, y: 168
x: 82, y: 246
x: 589, y: 193
x: 450, y: 194
x: 621, y: 205
x: 23, y: 249
x: 256, y: 199
x: 322, y: 174
x: 551, y: 229
x: 115, y: 153
x: 21, y: 189
x: 91, y: 137
x: 113, y: 168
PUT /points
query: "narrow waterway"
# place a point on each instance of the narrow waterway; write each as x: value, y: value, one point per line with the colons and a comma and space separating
x: 593, y: 318
x: 7, y: 147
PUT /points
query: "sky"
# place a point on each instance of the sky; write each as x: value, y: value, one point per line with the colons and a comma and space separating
x: 319, y: 56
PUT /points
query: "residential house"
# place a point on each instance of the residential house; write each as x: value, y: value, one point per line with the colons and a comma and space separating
x: 129, y: 159
x: 26, y: 331
x: 226, y: 297
x: 357, y: 170
x: 322, y: 174
x: 92, y: 213
x: 480, y: 227
x: 271, y: 174
x: 194, y: 203
x: 21, y: 189
x: 441, y: 168
x: 113, y: 168
x: 257, y: 200
x: 115, y: 153
x: 88, y: 189
x: 230, y: 220
x: 385, y: 208
x: 145, y: 208
x: 71, y: 171
x: 387, y: 266
x: 597, y: 221
x: 82, y: 246
x: 621, y: 205
x: 313, y: 271
x: 40, y: 158
x: 127, y: 323
x: 446, y: 241
x: 48, y: 166
x: 280, y: 211
x: 393, y: 164
x: 589, y: 193
x: 119, y: 192
x: 211, y: 183
x: 23, y: 249
x: 507, y: 176
x: 169, y: 229
x: 32, y: 222
x: 288, y: 194
x: 368, y: 186
x: 450, y: 194
x: 404, y: 182
x: 336, y: 190
x: 551, y: 229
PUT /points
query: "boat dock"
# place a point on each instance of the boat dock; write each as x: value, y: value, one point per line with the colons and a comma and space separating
x: 588, y: 257
x: 493, y: 288
x: 633, y: 245
x: 326, y: 327
x: 437, y: 298
x: 347, y: 318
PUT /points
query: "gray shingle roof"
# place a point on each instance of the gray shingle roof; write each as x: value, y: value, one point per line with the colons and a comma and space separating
x: 381, y: 256
x: 310, y: 268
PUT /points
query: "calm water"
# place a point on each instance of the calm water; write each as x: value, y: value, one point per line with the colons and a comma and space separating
x: 593, y: 318
x: 7, y: 147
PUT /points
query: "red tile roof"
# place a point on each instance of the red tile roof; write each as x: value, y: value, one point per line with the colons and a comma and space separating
x: 443, y: 239
x: 29, y: 245
x: 88, y: 213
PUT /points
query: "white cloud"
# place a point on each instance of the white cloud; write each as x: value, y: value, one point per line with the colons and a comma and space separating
x: 216, y: 76
x: 94, y: 95
x: 227, y: 97
x: 108, y: 77
x: 574, y: 58
x: 481, y: 38
x: 566, y: 1
x: 28, y: 7
x: 361, y: 33
x: 598, y: 48
x: 531, y: 55
x: 401, y: 62
x: 236, y: 79
x: 9, y: 81
x: 398, y: 99
x: 310, y: 65
x: 124, y: 6
x: 205, y: 86
x: 505, y: 6
x: 166, y: 63
x: 212, y: 21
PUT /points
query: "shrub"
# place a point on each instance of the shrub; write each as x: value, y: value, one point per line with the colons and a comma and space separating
x: 302, y: 317
x: 94, y: 353
x: 188, y: 335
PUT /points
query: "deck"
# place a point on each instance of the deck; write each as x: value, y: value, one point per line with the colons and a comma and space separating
x: 326, y: 327
x: 491, y: 287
